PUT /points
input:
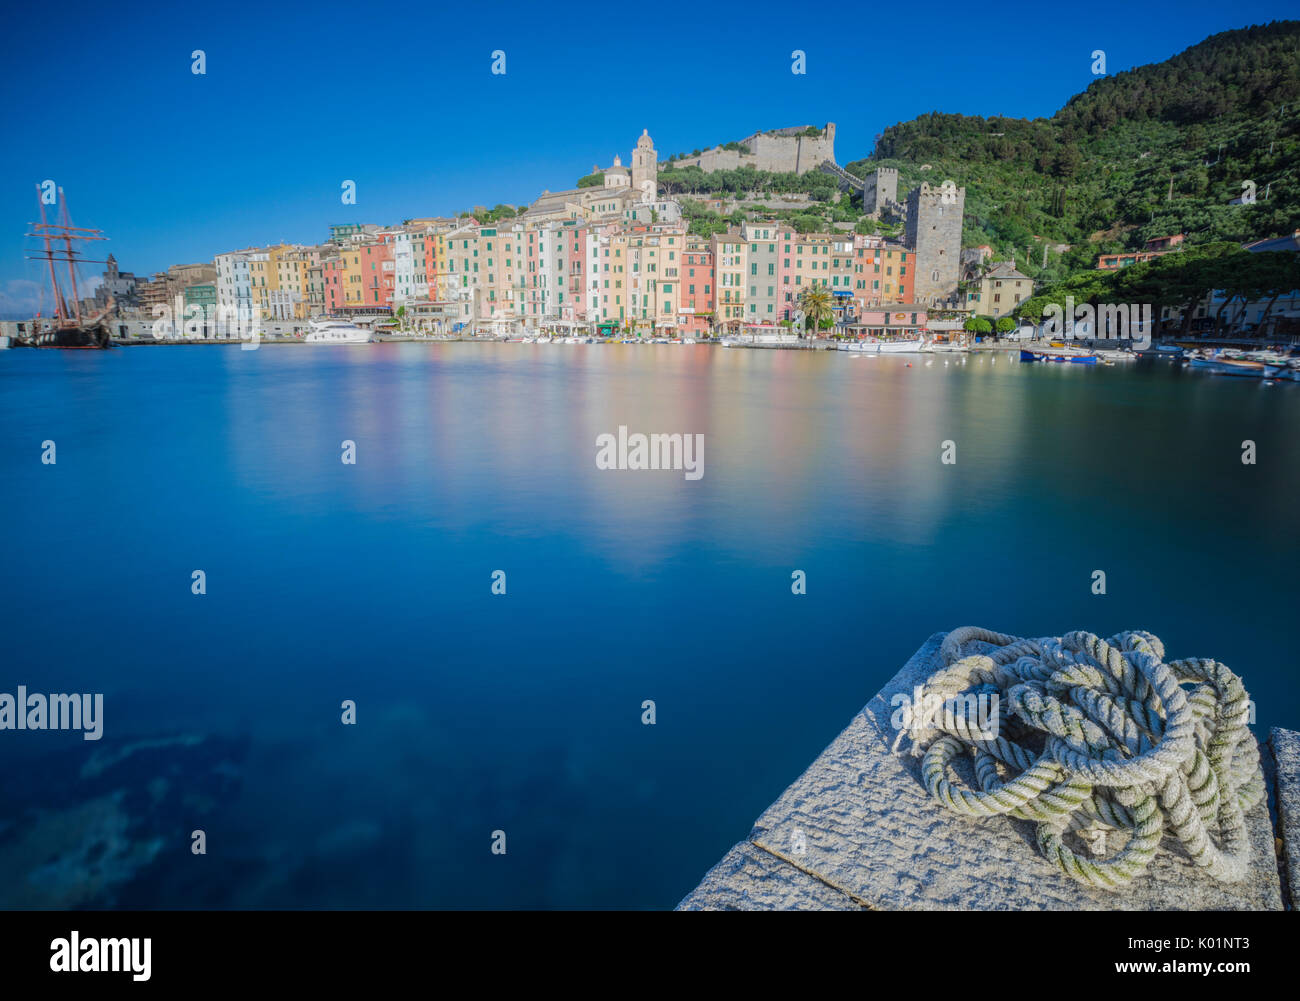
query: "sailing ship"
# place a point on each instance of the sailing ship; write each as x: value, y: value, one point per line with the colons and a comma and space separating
x: 68, y: 328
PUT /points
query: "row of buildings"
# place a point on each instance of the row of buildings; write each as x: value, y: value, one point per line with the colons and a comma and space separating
x: 606, y: 255
x: 625, y: 274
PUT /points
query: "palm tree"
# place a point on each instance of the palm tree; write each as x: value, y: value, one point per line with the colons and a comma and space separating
x: 815, y: 301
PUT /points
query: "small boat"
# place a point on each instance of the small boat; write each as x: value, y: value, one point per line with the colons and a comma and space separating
x: 1217, y: 364
x: 336, y: 332
x: 1168, y: 352
x: 886, y: 346
x: 1072, y: 356
x: 945, y: 344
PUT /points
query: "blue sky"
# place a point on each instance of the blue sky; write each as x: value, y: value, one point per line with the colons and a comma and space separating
x: 176, y: 167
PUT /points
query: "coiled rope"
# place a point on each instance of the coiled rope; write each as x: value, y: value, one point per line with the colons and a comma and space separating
x: 1096, y: 736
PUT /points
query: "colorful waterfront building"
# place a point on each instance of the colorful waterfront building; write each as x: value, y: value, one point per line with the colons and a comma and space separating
x: 334, y: 279
x: 202, y: 299
x: 499, y: 256
x: 763, y: 299
x: 456, y: 273
x: 654, y: 277
x: 411, y: 251
x: 999, y: 290
x: 367, y: 277
x: 883, y: 272
x: 906, y: 320
x: 597, y: 243
x: 730, y: 268
x: 613, y: 275
x: 805, y: 262
x: 696, y: 304
x: 257, y: 275
x: 573, y: 307
x: 234, y: 286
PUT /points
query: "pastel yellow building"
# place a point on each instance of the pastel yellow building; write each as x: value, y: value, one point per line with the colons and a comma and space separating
x: 654, y: 270
x: 729, y: 270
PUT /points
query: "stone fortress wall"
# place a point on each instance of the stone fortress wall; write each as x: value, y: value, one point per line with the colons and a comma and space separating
x: 778, y: 150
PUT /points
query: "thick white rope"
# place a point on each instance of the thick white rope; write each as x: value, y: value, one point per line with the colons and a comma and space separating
x: 1095, y: 736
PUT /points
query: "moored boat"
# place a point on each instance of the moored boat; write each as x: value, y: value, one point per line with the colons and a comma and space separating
x: 885, y: 346
x: 336, y: 332
x: 1072, y: 356
x: 1239, y: 367
x: 944, y: 343
x: 68, y: 328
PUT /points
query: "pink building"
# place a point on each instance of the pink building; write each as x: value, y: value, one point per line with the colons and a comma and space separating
x: 377, y: 272
x: 574, y: 306
x: 335, y: 282
x: 698, y: 297
x: 902, y: 319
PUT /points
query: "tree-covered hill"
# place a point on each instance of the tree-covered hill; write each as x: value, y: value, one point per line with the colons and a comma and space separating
x: 1159, y: 149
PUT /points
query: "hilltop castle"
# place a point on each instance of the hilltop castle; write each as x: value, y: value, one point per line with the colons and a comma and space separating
x: 794, y: 150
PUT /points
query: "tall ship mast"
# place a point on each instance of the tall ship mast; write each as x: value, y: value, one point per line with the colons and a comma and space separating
x: 68, y: 328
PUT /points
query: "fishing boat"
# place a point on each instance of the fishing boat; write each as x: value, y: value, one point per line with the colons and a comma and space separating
x: 68, y: 328
x: 1064, y: 355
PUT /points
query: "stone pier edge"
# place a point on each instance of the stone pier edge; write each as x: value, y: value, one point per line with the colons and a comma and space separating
x: 755, y: 875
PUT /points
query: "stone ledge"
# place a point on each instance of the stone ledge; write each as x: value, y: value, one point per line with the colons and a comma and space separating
x: 860, y: 825
x: 751, y: 879
x: 1285, y: 745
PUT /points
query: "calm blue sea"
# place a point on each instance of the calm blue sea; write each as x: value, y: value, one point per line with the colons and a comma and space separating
x: 522, y: 713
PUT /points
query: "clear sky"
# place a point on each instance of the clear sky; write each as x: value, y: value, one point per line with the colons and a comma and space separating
x: 176, y: 167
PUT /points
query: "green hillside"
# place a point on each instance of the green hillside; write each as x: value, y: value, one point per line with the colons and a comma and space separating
x: 1155, y: 150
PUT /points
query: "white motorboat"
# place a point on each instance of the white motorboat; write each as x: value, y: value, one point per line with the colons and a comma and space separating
x: 336, y: 332
x: 885, y: 346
